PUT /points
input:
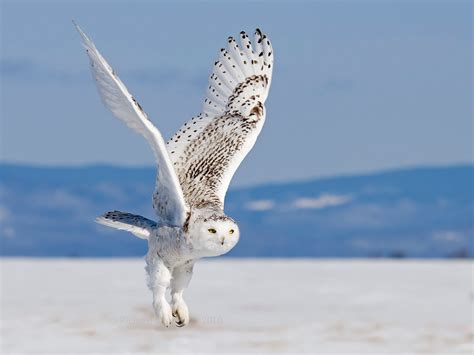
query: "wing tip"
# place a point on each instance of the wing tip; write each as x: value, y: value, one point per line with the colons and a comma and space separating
x: 85, y: 39
x: 101, y: 220
x: 81, y: 32
x: 107, y: 217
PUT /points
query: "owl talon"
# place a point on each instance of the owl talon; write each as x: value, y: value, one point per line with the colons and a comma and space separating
x: 163, y: 312
x: 181, y: 313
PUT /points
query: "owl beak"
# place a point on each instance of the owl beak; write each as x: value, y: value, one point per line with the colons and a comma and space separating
x: 222, y: 240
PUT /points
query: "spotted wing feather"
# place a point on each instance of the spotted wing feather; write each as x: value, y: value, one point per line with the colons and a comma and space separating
x: 138, y: 225
x: 207, y: 150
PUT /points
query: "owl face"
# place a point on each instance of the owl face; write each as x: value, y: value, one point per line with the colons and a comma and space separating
x: 214, y: 235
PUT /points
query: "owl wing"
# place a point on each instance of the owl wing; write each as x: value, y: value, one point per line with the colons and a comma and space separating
x: 168, y: 199
x: 207, y: 150
x: 138, y: 225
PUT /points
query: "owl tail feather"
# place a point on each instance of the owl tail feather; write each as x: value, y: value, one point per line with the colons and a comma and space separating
x: 138, y: 225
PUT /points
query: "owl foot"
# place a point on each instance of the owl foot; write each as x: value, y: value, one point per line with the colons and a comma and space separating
x: 163, y: 312
x: 181, y: 313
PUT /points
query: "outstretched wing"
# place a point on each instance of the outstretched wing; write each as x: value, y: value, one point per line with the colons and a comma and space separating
x: 138, y: 225
x: 207, y: 150
x: 168, y: 199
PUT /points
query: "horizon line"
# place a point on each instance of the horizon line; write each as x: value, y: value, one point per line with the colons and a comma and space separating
x: 381, y: 171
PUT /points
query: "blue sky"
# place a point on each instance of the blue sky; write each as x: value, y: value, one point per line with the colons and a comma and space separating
x: 358, y: 86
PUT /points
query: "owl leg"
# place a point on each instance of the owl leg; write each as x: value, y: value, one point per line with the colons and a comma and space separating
x: 159, y: 277
x: 181, y: 277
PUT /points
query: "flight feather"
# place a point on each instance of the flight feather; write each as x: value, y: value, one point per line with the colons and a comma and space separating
x: 207, y: 150
x: 168, y: 199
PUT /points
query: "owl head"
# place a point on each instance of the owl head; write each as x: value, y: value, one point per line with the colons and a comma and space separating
x: 213, y: 234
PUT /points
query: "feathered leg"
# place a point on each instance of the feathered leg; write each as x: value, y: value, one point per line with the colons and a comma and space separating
x: 181, y: 277
x: 159, y: 277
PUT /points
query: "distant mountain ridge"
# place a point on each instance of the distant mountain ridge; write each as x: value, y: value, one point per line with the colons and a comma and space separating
x: 417, y: 212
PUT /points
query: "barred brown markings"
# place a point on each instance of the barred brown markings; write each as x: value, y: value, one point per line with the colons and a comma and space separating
x: 219, y: 159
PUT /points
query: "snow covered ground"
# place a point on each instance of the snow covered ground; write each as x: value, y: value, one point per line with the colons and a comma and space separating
x: 316, y: 306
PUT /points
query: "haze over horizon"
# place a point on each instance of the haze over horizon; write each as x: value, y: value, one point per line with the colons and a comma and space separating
x: 240, y: 184
x: 358, y: 87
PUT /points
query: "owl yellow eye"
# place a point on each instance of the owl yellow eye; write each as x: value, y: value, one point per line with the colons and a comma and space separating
x: 231, y: 231
x: 212, y: 230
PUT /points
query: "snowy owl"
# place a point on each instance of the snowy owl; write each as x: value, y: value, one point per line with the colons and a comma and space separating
x: 194, y: 167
